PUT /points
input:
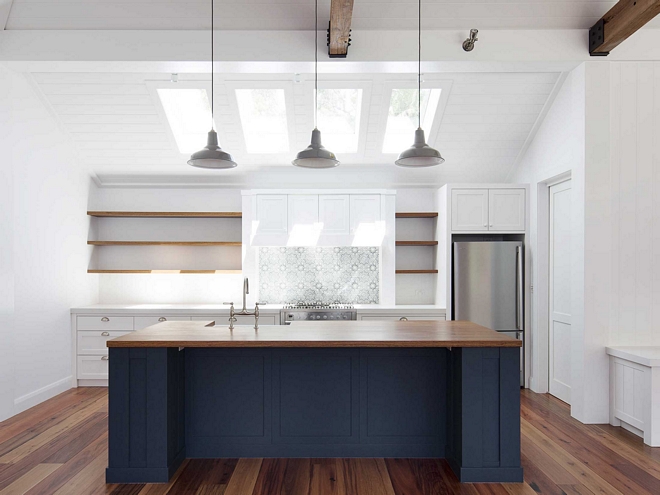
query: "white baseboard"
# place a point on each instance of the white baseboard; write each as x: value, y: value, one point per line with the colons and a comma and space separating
x: 27, y: 401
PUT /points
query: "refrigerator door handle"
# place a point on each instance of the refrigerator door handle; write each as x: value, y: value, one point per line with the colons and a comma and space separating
x: 519, y: 295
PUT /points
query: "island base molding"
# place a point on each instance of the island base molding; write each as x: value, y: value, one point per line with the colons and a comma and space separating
x: 168, y: 404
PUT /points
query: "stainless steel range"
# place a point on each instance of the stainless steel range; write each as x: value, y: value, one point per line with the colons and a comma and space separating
x: 314, y: 312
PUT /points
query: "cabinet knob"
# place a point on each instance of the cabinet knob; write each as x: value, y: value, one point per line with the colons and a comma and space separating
x: 104, y: 358
x: 162, y: 318
x: 105, y: 334
x: 403, y: 318
x: 105, y: 318
x: 485, y: 225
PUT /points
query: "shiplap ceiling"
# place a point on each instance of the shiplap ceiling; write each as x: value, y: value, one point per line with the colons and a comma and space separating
x: 118, y: 127
x: 299, y: 14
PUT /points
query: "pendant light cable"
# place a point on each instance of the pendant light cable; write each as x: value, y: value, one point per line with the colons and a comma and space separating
x: 212, y: 59
x: 419, y: 64
x: 316, y: 63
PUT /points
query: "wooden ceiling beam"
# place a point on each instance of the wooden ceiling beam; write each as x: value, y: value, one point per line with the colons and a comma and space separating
x: 339, y: 32
x: 619, y: 23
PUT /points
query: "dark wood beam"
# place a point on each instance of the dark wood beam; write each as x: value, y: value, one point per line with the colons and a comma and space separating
x: 620, y: 22
x: 339, y: 32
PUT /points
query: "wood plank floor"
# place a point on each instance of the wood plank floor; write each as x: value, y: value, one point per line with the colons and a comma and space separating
x: 60, y: 447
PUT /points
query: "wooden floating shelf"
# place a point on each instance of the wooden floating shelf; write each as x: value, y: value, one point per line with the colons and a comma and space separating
x: 416, y: 243
x: 166, y: 214
x: 415, y: 271
x: 429, y: 214
x: 210, y: 272
x: 162, y: 243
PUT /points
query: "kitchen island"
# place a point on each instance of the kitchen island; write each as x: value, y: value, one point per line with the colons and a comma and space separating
x: 443, y: 389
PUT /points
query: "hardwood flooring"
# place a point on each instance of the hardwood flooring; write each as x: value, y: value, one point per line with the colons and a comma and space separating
x: 60, y: 447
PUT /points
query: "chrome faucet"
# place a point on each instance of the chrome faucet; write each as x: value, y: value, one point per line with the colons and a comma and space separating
x: 244, y: 311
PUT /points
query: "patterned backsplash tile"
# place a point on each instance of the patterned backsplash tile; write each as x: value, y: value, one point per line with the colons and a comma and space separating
x: 327, y: 275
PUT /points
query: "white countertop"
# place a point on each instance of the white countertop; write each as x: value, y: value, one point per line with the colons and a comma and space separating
x: 210, y: 309
x: 644, y: 355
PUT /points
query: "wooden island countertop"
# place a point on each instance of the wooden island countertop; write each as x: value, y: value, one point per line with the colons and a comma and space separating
x: 318, y: 334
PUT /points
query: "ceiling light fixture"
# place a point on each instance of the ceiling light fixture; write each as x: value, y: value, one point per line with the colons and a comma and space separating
x: 315, y: 155
x: 212, y: 155
x: 468, y: 44
x: 419, y: 154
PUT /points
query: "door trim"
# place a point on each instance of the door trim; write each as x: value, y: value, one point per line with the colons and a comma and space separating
x: 540, y: 295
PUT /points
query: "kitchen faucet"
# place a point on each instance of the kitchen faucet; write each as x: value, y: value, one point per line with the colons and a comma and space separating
x: 244, y: 311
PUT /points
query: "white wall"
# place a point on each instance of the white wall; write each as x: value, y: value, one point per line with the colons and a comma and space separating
x: 634, y: 306
x: 44, y: 233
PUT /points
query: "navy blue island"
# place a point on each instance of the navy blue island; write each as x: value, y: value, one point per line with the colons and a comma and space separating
x: 436, y: 389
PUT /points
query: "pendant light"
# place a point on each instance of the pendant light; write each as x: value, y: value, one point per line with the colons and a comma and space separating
x: 419, y: 154
x: 315, y: 155
x: 212, y: 155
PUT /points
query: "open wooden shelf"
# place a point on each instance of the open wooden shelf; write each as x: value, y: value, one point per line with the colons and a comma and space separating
x: 163, y: 243
x: 415, y: 271
x: 416, y: 243
x: 167, y: 214
x: 210, y: 272
x: 428, y: 214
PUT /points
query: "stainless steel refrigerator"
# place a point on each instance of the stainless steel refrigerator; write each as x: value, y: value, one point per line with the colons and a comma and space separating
x: 488, y: 281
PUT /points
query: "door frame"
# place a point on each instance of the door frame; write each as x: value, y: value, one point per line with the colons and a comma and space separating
x: 541, y: 289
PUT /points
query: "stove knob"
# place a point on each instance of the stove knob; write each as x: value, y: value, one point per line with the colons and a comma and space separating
x: 325, y: 317
x: 310, y: 317
x: 318, y: 317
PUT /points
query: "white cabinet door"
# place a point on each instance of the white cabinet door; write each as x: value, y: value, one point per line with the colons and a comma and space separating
x: 334, y: 214
x: 365, y: 210
x: 272, y: 214
x: 94, y: 343
x: 303, y: 211
x: 92, y: 367
x: 146, y: 321
x: 506, y: 209
x: 469, y: 209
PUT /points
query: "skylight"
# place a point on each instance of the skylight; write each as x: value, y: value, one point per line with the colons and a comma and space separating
x: 402, y: 117
x: 339, y: 118
x: 189, y: 114
x: 263, y: 116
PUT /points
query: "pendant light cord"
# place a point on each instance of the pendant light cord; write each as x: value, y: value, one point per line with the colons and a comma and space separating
x: 316, y: 63
x: 212, y: 59
x: 419, y: 64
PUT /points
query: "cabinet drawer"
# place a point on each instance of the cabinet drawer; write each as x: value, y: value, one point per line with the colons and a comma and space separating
x: 146, y: 321
x: 401, y: 317
x: 93, y: 367
x: 105, y: 323
x: 223, y: 320
x: 94, y: 342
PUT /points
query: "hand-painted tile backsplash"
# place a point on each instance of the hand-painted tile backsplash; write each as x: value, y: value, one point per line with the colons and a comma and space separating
x: 326, y: 275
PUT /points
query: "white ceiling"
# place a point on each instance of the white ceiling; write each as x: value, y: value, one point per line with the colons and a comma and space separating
x: 117, y: 125
x: 299, y: 14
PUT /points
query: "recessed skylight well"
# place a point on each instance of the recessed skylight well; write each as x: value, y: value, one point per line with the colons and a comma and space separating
x: 189, y: 114
x: 402, y: 116
x: 339, y: 118
x: 263, y: 117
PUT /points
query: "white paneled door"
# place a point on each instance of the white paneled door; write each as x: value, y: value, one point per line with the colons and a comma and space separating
x: 560, y: 292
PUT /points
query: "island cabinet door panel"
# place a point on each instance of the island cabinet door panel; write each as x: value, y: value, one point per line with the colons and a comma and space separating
x: 315, y: 396
x: 483, y: 419
x: 228, y: 401
x: 403, y: 398
x: 146, y: 429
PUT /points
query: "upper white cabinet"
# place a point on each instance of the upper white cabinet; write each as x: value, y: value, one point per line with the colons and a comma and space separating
x: 365, y: 209
x: 469, y: 209
x: 334, y: 214
x: 303, y: 211
x: 506, y: 209
x: 271, y: 214
x: 494, y: 210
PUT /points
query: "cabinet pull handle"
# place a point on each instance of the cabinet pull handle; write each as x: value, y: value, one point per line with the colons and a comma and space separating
x: 104, y: 358
x: 105, y: 318
x: 105, y: 334
x: 403, y: 318
x: 162, y: 318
